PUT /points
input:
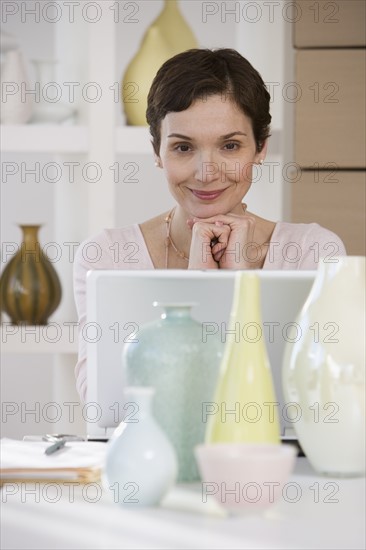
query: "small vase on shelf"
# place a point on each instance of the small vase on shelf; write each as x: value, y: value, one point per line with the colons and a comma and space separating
x: 15, y: 108
x: 141, y: 465
x: 30, y: 289
x: 167, y: 36
x: 171, y: 356
x: 49, y: 109
x: 7, y: 42
x: 245, y: 399
x: 324, y: 370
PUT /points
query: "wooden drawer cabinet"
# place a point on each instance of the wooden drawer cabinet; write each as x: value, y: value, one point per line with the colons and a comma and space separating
x: 324, y: 24
x: 330, y: 108
x: 336, y: 200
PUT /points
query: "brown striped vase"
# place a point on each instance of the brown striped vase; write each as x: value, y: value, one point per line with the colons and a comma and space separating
x: 30, y: 289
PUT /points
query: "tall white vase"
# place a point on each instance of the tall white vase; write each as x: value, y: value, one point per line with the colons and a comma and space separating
x: 141, y: 465
x: 16, y: 107
x: 324, y: 370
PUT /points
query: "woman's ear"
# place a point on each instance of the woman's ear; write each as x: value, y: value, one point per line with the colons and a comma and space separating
x: 261, y: 155
x: 158, y: 163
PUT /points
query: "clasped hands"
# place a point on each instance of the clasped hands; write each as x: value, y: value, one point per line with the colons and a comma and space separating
x: 223, y: 242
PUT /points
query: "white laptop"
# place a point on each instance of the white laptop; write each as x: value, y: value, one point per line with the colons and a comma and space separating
x: 120, y: 302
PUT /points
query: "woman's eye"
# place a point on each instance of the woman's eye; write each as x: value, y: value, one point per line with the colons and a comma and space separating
x: 183, y: 148
x: 232, y: 146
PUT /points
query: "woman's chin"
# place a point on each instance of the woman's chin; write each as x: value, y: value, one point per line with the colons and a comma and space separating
x: 204, y: 211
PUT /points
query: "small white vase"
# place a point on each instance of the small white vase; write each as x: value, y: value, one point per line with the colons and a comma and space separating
x: 141, y: 465
x: 16, y: 107
x: 49, y: 108
x: 324, y: 370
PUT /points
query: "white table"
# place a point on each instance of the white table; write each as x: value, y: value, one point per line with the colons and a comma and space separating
x: 324, y: 516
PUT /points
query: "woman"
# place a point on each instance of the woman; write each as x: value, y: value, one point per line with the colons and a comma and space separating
x: 209, y: 119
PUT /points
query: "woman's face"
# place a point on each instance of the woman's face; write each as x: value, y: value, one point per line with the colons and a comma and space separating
x: 207, y: 153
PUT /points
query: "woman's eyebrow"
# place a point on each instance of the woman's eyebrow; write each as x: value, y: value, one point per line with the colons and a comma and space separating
x: 226, y: 136
x: 232, y: 134
x: 180, y: 136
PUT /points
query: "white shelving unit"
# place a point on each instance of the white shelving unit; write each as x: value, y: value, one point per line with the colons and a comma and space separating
x: 34, y: 138
x: 48, y: 339
x: 131, y: 140
x: 99, y: 52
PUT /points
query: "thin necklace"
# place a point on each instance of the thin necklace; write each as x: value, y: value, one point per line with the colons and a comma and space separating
x: 169, y: 241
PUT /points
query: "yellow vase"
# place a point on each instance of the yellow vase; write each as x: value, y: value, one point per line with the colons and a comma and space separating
x: 245, y: 409
x: 168, y: 35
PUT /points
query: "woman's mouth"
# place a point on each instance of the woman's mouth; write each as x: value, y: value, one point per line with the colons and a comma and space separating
x: 207, y: 195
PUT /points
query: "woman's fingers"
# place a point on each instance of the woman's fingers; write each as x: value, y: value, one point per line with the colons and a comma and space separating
x: 229, y: 236
x: 241, y: 236
x: 220, y: 218
x: 209, y: 241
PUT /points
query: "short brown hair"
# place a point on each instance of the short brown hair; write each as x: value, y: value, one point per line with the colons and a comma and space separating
x: 199, y: 73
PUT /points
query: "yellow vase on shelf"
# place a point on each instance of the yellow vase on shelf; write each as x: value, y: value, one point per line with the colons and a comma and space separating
x: 174, y: 28
x: 167, y: 36
x: 245, y: 402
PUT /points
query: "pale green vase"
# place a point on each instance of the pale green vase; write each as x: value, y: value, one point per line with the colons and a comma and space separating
x: 172, y: 357
x: 167, y: 36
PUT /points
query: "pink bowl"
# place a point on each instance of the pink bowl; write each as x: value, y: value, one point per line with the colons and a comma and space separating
x: 244, y: 475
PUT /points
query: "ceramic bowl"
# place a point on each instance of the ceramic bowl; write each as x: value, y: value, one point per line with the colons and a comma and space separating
x: 244, y: 475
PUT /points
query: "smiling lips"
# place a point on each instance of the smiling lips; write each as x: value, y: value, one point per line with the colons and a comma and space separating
x: 207, y: 195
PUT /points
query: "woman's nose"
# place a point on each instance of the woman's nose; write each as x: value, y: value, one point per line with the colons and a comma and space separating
x: 207, y: 170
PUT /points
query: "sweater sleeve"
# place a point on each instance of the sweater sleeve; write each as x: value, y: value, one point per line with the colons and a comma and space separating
x: 91, y: 254
x: 118, y: 248
x: 320, y: 243
x: 301, y: 246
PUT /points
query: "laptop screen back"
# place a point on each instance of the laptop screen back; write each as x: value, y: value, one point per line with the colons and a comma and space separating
x: 119, y: 303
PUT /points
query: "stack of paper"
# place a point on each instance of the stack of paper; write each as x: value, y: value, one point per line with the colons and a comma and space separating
x: 79, y: 461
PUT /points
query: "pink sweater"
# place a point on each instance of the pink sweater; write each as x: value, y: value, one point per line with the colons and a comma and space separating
x: 292, y: 246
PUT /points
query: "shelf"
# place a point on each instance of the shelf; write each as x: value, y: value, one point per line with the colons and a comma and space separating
x: 54, y: 338
x: 40, y: 138
x: 133, y: 140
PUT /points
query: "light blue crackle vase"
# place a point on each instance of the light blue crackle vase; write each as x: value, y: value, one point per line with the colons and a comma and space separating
x: 172, y: 356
